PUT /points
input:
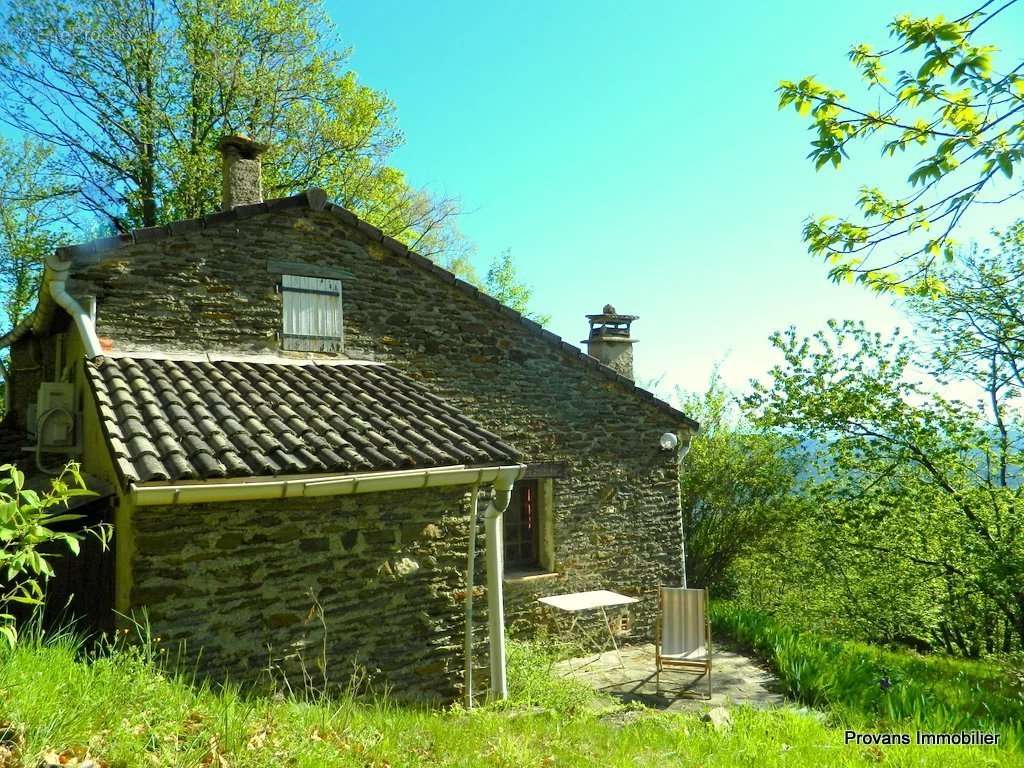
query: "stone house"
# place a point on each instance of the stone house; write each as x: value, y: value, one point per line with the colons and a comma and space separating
x: 290, y: 418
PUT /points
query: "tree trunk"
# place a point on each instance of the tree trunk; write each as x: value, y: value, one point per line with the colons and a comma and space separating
x: 947, y: 641
x: 148, y: 125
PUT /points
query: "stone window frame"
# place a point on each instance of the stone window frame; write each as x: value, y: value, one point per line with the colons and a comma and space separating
x: 544, y: 474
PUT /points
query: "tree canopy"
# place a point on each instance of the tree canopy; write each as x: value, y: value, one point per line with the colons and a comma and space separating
x: 912, y: 481
x: 914, y: 515
x: 737, y: 487
x: 941, y: 94
x: 504, y: 284
x: 33, y: 210
x: 131, y: 97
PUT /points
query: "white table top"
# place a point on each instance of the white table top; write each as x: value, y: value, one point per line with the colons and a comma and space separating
x: 586, y: 601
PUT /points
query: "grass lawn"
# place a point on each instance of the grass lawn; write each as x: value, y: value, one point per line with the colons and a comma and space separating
x: 121, y: 709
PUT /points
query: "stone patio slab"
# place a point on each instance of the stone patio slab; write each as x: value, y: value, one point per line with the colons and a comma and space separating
x: 736, y: 679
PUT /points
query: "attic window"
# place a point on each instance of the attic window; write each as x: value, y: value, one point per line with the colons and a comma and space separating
x: 311, y: 314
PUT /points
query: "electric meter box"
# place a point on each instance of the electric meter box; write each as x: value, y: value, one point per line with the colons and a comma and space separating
x: 55, y: 414
x: 56, y: 394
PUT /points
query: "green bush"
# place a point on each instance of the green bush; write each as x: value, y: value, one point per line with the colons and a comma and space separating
x: 884, y: 688
x: 26, y: 528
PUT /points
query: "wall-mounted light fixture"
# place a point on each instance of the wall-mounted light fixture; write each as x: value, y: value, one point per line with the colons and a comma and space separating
x: 670, y: 442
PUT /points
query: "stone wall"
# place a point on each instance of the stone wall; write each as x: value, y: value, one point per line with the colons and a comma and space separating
x: 245, y: 581
x: 33, y: 361
x: 616, y: 515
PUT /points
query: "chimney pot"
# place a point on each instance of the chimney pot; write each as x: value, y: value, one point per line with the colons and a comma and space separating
x: 242, y: 182
x: 609, y: 340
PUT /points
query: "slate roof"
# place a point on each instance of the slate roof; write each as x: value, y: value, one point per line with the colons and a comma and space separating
x: 188, y: 420
x: 96, y: 251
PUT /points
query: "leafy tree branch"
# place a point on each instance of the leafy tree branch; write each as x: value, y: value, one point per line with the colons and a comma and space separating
x: 950, y: 106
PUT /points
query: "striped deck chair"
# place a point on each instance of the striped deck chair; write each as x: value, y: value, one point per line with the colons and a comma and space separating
x: 682, y: 635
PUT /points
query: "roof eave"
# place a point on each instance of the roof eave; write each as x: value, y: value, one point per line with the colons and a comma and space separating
x: 286, y: 486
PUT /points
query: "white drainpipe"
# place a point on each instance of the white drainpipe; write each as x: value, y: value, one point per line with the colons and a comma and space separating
x: 683, y: 450
x: 470, y: 586
x: 83, y: 320
x: 495, y: 573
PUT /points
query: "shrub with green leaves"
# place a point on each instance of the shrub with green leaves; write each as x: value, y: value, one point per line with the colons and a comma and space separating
x: 879, y: 687
x: 27, y: 518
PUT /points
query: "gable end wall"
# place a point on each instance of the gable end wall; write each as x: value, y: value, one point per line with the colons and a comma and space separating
x: 616, y: 511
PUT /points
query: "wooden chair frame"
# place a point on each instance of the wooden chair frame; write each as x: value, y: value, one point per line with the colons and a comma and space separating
x: 686, y: 665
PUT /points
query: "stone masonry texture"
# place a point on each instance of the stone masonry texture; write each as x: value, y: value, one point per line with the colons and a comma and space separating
x: 616, y: 510
x: 366, y: 587
x: 617, y: 355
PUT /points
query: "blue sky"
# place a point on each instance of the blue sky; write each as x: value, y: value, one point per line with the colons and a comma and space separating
x: 632, y: 153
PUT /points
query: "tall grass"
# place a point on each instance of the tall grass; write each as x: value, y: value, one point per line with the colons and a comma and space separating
x: 532, y: 678
x: 129, y: 709
x: 878, y: 686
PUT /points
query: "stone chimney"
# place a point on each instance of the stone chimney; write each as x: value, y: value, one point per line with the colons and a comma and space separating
x: 242, y: 171
x: 609, y: 340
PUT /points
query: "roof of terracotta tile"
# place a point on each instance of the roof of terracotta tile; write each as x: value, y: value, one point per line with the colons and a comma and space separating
x: 187, y: 420
x: 316, y: 199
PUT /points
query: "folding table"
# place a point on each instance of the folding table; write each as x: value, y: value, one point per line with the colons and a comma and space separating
x: 598, y: 599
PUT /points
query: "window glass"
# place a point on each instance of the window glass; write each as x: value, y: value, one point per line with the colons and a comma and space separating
x: 522, y: 526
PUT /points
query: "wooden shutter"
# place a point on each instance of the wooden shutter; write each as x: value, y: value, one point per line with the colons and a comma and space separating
x: 312, y: 319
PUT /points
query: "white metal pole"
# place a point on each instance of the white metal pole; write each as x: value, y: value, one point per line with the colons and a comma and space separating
x: 684, y: 449
x: 470, y: 586
x: 495, y: 573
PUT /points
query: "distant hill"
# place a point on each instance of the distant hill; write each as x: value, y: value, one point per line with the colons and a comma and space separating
x: 811, y: 448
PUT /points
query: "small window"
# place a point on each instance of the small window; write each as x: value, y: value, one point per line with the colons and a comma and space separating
x: 527, y: 527
x: 311, y: 316
x: 522, y: 528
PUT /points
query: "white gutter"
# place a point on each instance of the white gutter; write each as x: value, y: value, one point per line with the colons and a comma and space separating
x: 495, y: 574
x: 284, y: 487
x: 200, y: 492
x: 83, y: 320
